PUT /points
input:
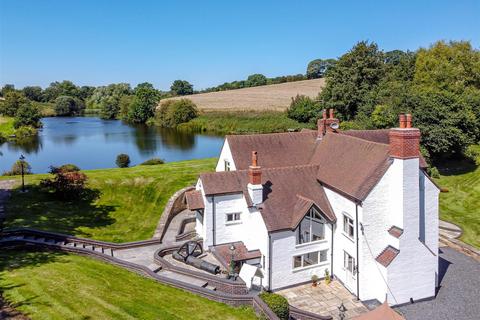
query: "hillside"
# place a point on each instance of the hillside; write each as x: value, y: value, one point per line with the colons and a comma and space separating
x: 271, y: 97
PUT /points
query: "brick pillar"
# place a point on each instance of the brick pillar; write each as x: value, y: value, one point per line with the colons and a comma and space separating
x: 405, y: 141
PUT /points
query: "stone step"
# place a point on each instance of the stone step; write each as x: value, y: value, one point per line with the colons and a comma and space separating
x: 154, y: 267
x: 209, y: 287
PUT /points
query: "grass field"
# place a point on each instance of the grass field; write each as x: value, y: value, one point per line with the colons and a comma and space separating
x: 240, y: 122
x: 6, y: 126
x: 128, y: 208
x: 461, y: 204
x: 274, y: 97
x: 47, y: 285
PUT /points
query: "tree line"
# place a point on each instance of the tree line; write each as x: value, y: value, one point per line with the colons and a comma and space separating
x: 439, y: 85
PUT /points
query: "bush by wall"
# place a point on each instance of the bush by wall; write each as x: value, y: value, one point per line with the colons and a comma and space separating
x: 277, y: 303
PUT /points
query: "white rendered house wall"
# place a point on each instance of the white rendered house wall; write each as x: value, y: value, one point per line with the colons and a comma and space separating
x: 412, y: 274
x: 284, y: 248
x: 225, y: 156
x: 342, y: 242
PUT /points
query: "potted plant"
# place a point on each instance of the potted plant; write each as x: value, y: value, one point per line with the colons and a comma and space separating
x: 328, y: 279
x: 314, y: 280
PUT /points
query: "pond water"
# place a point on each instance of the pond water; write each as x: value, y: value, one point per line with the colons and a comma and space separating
x: 91, y: 143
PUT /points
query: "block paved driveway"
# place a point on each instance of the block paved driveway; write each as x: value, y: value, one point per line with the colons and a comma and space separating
x: 459, y: 295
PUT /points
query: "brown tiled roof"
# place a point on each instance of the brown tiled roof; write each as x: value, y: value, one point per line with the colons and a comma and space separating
x: 395, y: 231
x: 194, y: 200
x: 383, y: 312
x: 274, y: 149
x: 223, y: 254
x: 287, y: 192
x: 379, y: 136
x: 350, y: 165
x: 387, y: 256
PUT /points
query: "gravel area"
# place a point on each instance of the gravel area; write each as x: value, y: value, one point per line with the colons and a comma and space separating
x: 458, y: 296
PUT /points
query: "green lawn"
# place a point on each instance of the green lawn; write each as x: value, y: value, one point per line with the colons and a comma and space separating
x: 461, y: 204
x: 241, y: 122
x: 59, y: 286
x: 128, y: 208
x: 6, y: 126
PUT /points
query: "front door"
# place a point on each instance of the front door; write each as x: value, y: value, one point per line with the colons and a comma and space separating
x: 349, y: 267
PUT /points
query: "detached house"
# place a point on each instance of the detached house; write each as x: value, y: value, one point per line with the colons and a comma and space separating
x: 356, y: 203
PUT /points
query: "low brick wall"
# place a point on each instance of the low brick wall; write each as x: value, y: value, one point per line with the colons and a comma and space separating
x: 299, y: 314
x: 175, y: 205
x: 237, y: 287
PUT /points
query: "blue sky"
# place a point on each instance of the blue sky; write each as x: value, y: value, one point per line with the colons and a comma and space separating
x: 208, y: 42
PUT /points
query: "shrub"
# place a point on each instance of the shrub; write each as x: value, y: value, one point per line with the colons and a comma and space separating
x: 68, y: 168
x: 152, y: 162
x: 25, y: 131
x: 17, y: 168
x: 123, y: 160
x: 433, y: 172
x: 66, y: 184
x: 277, y: 303
x: 303, y: 109
x: 174, y: 112
x: 473, y: 153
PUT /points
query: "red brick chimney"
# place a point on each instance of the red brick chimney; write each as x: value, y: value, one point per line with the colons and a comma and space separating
x: 325, y: 124
x: 405, y: 140
x: 332, y: 122
x: 254, y: 171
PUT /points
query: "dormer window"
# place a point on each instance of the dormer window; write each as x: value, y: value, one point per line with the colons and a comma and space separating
x: 311, y: 228
x: 227, y: 165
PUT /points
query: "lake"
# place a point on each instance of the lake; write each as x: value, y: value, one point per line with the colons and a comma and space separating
x: 92, y: 143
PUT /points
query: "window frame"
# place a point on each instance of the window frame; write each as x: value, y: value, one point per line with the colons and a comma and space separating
x: 348, y: 224
x: 319, y: 261
x: 346, y: 257
x: 226, y: 165
x: 311, y: 217
x: 236, y: 218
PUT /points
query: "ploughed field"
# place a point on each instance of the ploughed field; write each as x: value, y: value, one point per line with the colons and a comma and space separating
x: 49, y: 285
x: 274, y: 97
x: 121, y: 205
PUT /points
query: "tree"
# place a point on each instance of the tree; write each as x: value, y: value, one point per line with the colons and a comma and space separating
x: 68, y: 106
x: 85, y: 92
x: 351, y: 80
x: 123, y: 160
x: 144, y: 104
x: 107, y: 99
x: 303, y: 109
x: 174, y: 112
x: 57, y: 89
x: 451, y: 66
x: 17, y: 168
x: 27, y: 115
x: 256, y: 80
x: 13, y: 101
x: 33, y: 93
x: 6, y: 88
x: 109, y: 108
x: 318, y: 67
x: 181, y: 88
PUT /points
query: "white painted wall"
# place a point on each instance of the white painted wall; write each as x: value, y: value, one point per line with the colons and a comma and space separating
x: 341, y: 242
x: 412, y: 274
x: 284, y: 248
x: 380, y: 212
x: 225, y: 154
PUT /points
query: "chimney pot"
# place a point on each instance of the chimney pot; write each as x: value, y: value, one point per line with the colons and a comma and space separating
x: 324, y: 114
x: 402, y: 120
x: 408, y: 118
x: 254, y: 159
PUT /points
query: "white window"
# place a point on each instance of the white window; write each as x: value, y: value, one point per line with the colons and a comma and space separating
x: 348, y: 262
x: 311, y: 228
x: 309, y: 259
x: 233, y: 217
x: 227, y: 165
x: 348, y: 226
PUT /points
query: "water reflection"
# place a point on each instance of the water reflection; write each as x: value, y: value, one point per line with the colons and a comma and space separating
x: 92, y: 143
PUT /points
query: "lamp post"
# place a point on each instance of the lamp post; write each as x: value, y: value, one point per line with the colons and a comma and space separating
x: 22, y: 163
x: 342, y: 311
x: 232, y: 263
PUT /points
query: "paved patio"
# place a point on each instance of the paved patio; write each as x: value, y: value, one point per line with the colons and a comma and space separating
x: 324, y: 299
